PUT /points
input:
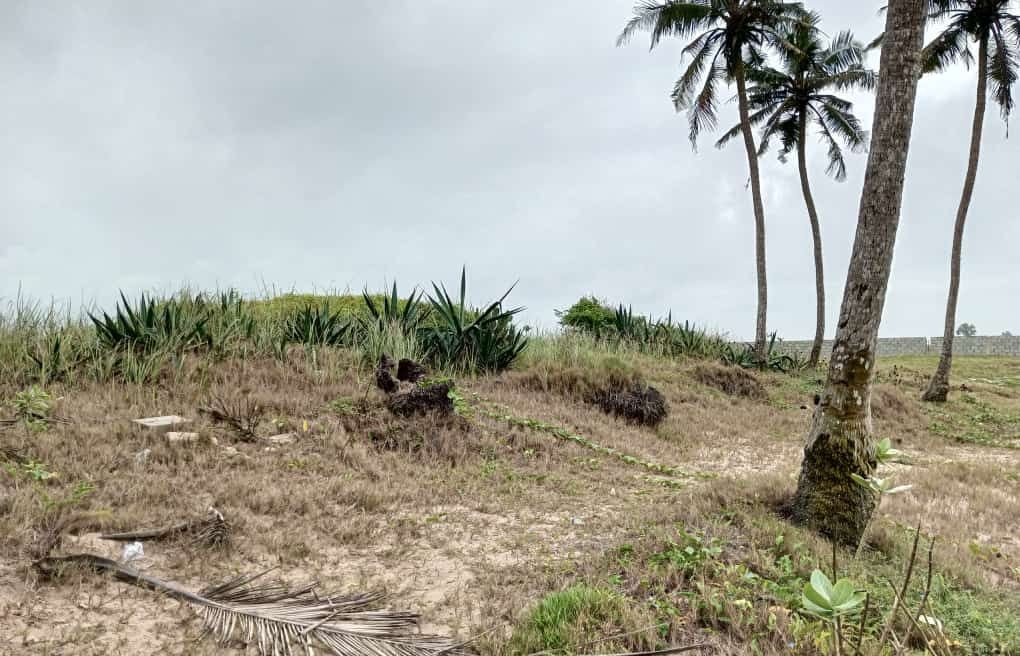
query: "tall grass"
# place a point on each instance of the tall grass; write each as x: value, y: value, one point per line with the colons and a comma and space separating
x: 146, y: 339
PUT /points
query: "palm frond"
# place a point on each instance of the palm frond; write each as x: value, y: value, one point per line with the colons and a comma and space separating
x: 276, y: 619
x: 755, y: 119
x: 1003, y: 61
x: 701, y: 114
x: 683, y: 90
x: 855, y: 78
x: 661, y: 19
x: 946, y: 49
x: 844, y: 52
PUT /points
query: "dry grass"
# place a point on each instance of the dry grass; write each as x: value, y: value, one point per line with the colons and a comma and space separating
x: 472, y: 521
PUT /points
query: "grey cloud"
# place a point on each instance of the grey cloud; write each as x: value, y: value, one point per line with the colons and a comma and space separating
x: 332, y: 144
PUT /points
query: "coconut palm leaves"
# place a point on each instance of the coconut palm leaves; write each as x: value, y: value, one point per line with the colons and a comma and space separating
x: 279, y: 620
x: 726, y: 34
x: 800, y: 91
x: 987, y: 21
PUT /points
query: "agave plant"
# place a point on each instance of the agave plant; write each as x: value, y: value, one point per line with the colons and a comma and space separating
x: 275, y: 619
x: 49, y: 357
x: 469, y: 339
x: 773, y: 360
x: 317, y: 326
x: 151, y: 326
x: 408, y: 315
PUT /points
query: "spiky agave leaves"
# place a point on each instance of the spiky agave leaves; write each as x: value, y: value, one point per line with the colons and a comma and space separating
x: 280, y: 620
x: 482, y: 339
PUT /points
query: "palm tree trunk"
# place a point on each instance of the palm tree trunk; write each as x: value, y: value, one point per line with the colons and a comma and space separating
x: 759, y: 209
x: 840, y: 441
x: 938, y: 388
x: 816, y: 237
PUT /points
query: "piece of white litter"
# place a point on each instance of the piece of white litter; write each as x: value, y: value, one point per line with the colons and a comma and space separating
x: 132, y: 551
x: 142, y: 456
x: 163, y: 423
x: 284, y: 438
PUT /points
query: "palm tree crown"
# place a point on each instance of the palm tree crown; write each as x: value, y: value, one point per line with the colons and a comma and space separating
x: 983, y: 21
x: 726, y: 34
x: 781, y: 99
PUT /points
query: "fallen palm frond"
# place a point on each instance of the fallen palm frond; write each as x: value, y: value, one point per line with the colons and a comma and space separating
x: 212, y: 531
x: 276, y: 619
x: 243, y: 415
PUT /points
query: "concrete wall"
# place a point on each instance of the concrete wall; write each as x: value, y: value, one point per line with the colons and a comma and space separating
x: 987, y: 345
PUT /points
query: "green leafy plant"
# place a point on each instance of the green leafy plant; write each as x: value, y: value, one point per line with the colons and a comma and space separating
x: 33, y: 407
x: 884, y: 451
x: 37, y: 471
x: 150, y: 325
x: 317, y: 326
x: 688, y: 553
x: 881, y: 488
x: 588, y: 315
x: 773, y: 360
x: 407, y: 314
x: 472, y: 340
x: 831, y: 603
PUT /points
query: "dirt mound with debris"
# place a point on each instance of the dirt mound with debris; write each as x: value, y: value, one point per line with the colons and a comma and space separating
x: 637, y: 402
x: 732, y: 381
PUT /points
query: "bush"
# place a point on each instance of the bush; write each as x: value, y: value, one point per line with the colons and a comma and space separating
x: 471, y: 340
x: 588, y: 315
x: 662, y: 337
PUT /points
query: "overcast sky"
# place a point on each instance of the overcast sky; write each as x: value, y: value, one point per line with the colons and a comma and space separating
x: 328, y: 145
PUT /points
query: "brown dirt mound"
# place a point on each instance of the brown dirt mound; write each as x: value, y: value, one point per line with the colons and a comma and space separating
x: 406, y: 396
x: 733, y: 381
x: 638, y: 403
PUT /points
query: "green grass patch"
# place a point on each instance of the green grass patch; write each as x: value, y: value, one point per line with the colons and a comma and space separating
x: 567, y: 621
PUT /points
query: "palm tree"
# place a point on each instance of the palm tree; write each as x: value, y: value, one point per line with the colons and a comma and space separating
x: 725, y: 35
x: 841, y: 439
x: 997, y: 33
x: 783, y: 102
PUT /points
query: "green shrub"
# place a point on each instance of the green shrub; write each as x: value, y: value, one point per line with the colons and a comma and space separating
x: 471, y: 340
x: 662, y: 337
x: 318, y: 326
x: 589, y: 315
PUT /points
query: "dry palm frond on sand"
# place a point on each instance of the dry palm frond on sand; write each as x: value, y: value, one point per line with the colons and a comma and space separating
x: 210, y: 531
x: 277, y: 619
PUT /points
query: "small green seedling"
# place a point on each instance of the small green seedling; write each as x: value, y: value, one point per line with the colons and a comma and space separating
x: 880, y: 486
x: 884, y: 451
x: 829, y: 602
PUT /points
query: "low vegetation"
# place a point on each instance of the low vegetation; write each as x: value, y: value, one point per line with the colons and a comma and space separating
x: 517, y: 513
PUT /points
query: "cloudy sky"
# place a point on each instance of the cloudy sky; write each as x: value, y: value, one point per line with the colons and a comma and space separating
x: 322, y: 145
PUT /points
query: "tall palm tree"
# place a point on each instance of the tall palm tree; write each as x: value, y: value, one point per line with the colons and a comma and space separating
x: 996, y: 31
x: 841, y: 439
x: 784, y: 101
x: 725, y: 36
